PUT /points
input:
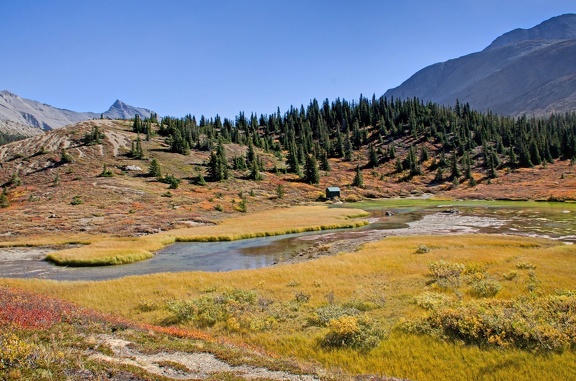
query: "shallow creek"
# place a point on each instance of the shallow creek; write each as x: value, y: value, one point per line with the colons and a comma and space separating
x: 385, y: 220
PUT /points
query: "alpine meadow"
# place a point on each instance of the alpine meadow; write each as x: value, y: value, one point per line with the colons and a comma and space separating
x: 423, y: 234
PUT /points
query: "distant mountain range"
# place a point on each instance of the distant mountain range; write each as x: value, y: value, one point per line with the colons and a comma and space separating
x: 27, y: 117
x: 525, y: 71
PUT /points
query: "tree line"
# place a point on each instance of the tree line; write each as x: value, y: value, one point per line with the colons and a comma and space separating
x: 457, y: 138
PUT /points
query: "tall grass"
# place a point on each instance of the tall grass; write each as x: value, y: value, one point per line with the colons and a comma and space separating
x: 383, y: 280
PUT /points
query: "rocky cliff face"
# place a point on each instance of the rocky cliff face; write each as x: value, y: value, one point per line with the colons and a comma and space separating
x: 16, y: 111
x: 525, y: 71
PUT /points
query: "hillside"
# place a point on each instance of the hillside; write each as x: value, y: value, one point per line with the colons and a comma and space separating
x: 104, y: 189
x: 34, y: 117
x: 521, y: 72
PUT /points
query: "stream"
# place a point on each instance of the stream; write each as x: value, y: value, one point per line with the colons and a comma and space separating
x: 386, y: 219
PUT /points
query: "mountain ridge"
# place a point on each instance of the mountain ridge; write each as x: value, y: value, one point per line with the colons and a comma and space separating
x: 520, y: 72
x: 44, y: 117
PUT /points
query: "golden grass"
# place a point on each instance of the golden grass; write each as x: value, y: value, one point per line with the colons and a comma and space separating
x: 273, y: 222
x: 50, y: 239
x: 388, y: 270
x: 116, y: 251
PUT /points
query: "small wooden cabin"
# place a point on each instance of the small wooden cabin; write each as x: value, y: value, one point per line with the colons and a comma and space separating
x: 332, y: 192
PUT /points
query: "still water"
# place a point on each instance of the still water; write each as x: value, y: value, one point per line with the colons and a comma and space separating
x: 386, y: 220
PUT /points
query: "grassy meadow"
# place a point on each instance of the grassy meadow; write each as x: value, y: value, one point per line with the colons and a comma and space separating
x: 423, y: 307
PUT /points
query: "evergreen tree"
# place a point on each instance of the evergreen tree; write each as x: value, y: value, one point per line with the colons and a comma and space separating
x: 137, y: 124
x: 200, y: 179
x: 347, y: 147
x: 136, y: 152
x: 424, y: 155
x: 172, y: 181
x: 399, y: 166
x: 456, y: 172
x: 311, y: 176
x: 255, y: 170
x: 392, y: 152
x: 524, y: 159
x: 467, y: 165
x: 439, y: 177
x: 535, y: 157
x: 324, y: 162
x: 4, y: 201
x: 65, y: 157
x: 358, y: 178
x: 218, y: 167
x: 372, y: 157
x: 280, y: 191
x: 154, y: 169
x: 512, y: 159
x: 93, y: 137
x: 251, y: 154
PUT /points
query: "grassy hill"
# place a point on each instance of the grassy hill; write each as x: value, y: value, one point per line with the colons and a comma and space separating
x: 101, y: 188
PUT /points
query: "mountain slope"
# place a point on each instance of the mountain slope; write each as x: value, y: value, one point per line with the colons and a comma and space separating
x: 521, y: 72
x: 44, y: 117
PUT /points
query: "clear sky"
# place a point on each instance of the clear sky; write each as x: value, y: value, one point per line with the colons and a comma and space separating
x: 224, y: 56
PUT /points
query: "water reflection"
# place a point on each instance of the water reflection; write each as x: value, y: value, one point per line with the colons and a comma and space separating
x: 202, y: 256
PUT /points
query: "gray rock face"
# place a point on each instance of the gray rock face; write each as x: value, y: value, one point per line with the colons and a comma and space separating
x: 15, y: 111
x: 522, y: 72
x: 120, y: 110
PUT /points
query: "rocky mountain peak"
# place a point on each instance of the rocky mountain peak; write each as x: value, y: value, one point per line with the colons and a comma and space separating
x: 27, y: 112
x: 557, y: 28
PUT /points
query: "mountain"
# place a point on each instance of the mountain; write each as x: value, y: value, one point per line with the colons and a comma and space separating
x: 120, y: 110
x: 524, y: 71
x: 17, y: 111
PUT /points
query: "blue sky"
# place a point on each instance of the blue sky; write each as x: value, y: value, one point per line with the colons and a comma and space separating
x: 221, y: 57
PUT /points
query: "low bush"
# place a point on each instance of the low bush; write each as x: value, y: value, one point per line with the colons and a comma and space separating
x: 537, y: 324
x: 76, y: 200
x: 474, y: 268
x: 445, y: 274
x: 433, y: 300
x: 352, y: 198
x: 236, y: 309
x: 485, y: 288
x: 510, y: 275
x: 13, y: 351
x: 352, y: 332
x: 526, y: 266
x: 323, y: 315
x: 422, y: 249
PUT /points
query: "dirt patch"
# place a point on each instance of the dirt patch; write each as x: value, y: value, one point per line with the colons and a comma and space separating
x: 118, y: 140
x: 24, y: 253
x: 184, y: 366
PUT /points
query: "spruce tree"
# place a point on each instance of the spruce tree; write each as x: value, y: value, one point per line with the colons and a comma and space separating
x: 372, y: 157
x: 347, y: 147
x: 218, y: 166
x: 154, y: 169
x: 324, y: 162
x: 255, y: 170
x: 311, y: 176
x: 456, y: 173
x: 136, y: 152
x: 358, y: 178
x: 4, y: 202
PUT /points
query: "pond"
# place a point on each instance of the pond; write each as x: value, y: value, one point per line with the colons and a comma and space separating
x: 387, y: 217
